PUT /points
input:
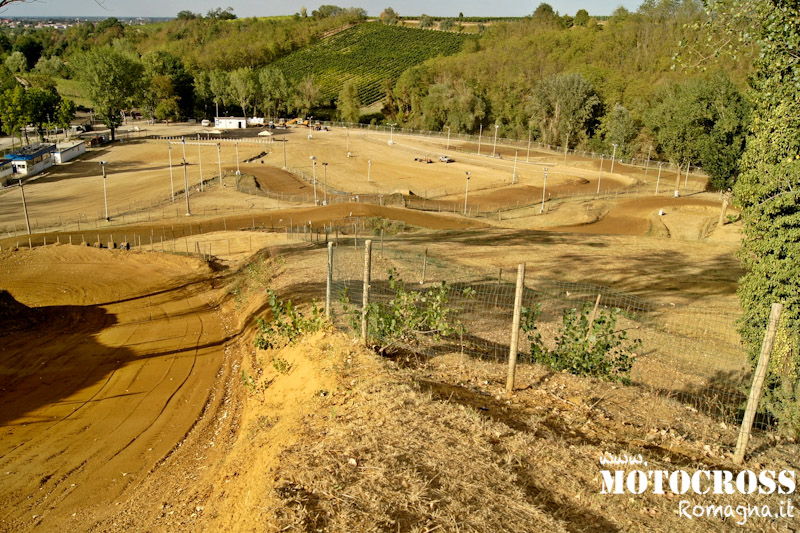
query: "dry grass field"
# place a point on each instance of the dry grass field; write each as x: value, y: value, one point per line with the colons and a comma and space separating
x: 132, y: 398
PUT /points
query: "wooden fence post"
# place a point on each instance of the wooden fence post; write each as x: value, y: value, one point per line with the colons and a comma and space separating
x: 758, y: 382
x: 512, y: 354
x: 424, y: 266
x: 593, y: 315
x: 329, y: 282
x: 367, y: 275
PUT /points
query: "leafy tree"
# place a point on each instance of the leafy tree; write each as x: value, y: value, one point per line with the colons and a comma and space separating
x: 112, y: 79
x: 220, y: 14
x: 544, y: 14
x: 618, y: 127
x: 167, y: 79
x: 581, y: 17
x: 563, y: 105
x: 276, y: 92
x: 31, y: 47
x: 701, y: 121
x: 767, y: 193
x: 16, y: 63
x: 51, y: 67
x: 446, y: 24
x: 188, y: 15
x: 244, y: 88
x: 307, y: 95
x: 426, y: 22
x: 347, y: 104
x: 14, y: 111
x: 42, y: 108
x: 326, y: 11
x: 389, y: 16
x: 64, y: 114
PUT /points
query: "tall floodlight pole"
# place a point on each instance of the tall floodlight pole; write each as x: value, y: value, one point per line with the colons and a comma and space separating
x: 528, y: 157
x: 647, y: 166
x: 325, y: 185
x: 448, y: 137
x: 186, y: 185
x: 24, y: 208
x: 284, y: 150
x: 314, y: 167
x: 183, y: 140
x: 219, y: 162
x: 466, y: 194
x: 200, y: 162
x: 480, y: 135
x: 514, y: 173
x: 171, y: 182
x: 600, y: 176
x: 105, y: 195
x: 347, y: 134
x: 544, y: 188
x: 391, y: 132
x: 494, y: 150
x: 613, y: 156
x: 369, y: 168
x: 237, y: 158
x: 658, y: 179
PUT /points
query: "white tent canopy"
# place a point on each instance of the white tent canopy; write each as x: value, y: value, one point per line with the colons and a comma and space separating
x: 265, y: 133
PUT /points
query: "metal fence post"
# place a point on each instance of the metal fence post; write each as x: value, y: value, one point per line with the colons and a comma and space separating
x: 512, y: 355
x: 758, y: 382
x: 367, y: 273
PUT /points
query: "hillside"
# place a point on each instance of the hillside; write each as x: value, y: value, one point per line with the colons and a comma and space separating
x: 368, y: 53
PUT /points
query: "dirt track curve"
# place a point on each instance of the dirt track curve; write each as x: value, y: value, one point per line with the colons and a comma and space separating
x: 111, y: 379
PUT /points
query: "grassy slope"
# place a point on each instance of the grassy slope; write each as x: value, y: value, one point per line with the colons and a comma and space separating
x: 369, y: 53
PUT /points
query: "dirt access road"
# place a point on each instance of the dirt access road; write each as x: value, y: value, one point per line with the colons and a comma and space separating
x: 116, y: 373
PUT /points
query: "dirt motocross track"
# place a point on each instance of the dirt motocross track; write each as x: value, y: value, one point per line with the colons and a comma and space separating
x: 115, y: 373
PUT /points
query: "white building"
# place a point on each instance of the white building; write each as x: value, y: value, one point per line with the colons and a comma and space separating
x: 32, y: 159
x: 68, y: 150
x: 230, y: 123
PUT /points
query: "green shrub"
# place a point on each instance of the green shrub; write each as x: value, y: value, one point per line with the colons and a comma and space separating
x: 597, y: 350
x: 288, y: 324
x: 409, y: 317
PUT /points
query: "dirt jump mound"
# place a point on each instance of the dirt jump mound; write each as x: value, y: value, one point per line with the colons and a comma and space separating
x: 15, y: 316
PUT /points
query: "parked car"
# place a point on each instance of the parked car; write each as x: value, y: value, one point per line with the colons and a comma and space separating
x: 205, y: 123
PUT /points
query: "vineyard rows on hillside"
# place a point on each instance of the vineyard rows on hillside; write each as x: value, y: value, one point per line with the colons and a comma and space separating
x: 368, y: 54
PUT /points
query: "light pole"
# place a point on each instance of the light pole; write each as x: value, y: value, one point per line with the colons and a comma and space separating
x: 186, y: 185
x: 658, y: 179
x: 25, y: 209
x: 466, y: 194
x: 105, y: 195
x: 448, y: 137
x: 528, y: 157
x: 369, y: 168
x: 613, y: 156
x: 391, y: 132
x: 284, y: 150
x: 347, y: 133
x: 238, y: 173
x: 514, y: 173
x: 325, y: 185
x: 314, y: 170
x: 600, y: 176
x: 494, y: 150
x: 647, y: 166
x: 200, y: 162
x: 171, y: 182
x: 480, y: 135
x: 219, y: 162
x: 544, y: 188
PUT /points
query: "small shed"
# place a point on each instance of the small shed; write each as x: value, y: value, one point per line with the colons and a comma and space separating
x: 6, y: 172
x: 32, y: 159
x: 230, y: 123
x: 68, y: 150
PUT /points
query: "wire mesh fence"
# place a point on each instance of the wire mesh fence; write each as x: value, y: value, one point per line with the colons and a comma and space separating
x: 691, y: 354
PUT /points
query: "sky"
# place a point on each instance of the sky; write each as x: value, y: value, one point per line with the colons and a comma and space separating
x: 254, y: 8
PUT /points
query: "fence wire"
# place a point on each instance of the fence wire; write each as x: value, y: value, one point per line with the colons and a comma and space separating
x: 691, y: 354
